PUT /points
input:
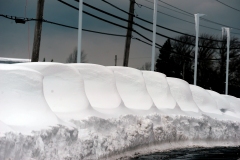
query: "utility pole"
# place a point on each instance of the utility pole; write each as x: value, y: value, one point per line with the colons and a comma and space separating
x: 129, y: 33
x: 38, y: 31
x: 197, y: 16
x: 115, y: 60
x: 154, y: 35
x: 79, y: 50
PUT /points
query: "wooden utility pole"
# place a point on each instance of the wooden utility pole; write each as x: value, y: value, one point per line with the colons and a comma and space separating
x: 38, y: 31
x: 129, y: 33
x: 115, y: 60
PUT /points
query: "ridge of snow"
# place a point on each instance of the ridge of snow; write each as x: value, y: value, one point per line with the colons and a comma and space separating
x: 99, y: 85
x: 131, y: 88
x: 96, y: 112
x: 158, y: 89
x: 182, y: 94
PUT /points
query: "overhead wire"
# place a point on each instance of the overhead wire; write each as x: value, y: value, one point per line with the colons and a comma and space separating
x: 137, y: 17
x: 228, y: 6
x: 201, y: 18
x: 14, y: 17
x: 170, y: 9
x: 187, y: 21
x: 63, y: 25
x: 136, y: 25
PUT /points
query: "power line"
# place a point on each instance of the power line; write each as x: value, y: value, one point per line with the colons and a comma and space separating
x: 157, y: 45
x: 133, y: 23
x: 188, y: 21
x: 170, y: 9
x: 58, y: 24
x: 202, y: 18
x: 160, y: 25
x: 180, y: 18
x: 228, y: 6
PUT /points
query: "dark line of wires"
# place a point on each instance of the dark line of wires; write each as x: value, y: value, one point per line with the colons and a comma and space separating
x: 11, y: 17
x: 158, y: 24
x: 228, y: 6
x: 188, y: 21
x: 137, y: 25
x: 23, y: 20
x: 201, y: 18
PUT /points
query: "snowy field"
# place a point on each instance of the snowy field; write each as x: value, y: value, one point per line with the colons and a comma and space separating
x: 54, y: 111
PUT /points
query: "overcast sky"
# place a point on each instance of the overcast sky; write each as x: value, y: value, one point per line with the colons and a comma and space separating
x: 57, y: 42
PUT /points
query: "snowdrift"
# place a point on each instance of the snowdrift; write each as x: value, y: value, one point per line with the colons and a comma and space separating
x: 87, y: 111
x: 22, y: 103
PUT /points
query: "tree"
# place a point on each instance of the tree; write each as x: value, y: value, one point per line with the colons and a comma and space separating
x: 72, y: 58
x: 233, y: 65
x: 206, y: 68
x: 164, y: 62
x: 183, y: 62
x: 176, y: 59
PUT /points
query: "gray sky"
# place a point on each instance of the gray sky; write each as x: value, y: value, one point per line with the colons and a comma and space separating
x: 57, y: 42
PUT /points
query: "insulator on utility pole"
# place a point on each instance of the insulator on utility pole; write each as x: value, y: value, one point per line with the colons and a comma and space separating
x: 38, y: 31
x: 129, y: 33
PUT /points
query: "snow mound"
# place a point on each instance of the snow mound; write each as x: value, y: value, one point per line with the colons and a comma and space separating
x: 22, y: 103
x: 4, y: 129
x: 158, y: 89
x: 62, y: 85
x: 99, y: 85
x: 204, y: 100
x: 234, y: 104
x: 132, y: 89
x: 224, y: 106
x: 125, y: 136
x: 112, y: 112
x: 182, y: 94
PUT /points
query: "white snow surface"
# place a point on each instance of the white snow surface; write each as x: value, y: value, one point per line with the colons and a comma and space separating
x: 204, y: 100
x: 132, y: 88
x: 223, y: 104
x: 85, y: 111
x: 100, y: 86
x: 22, y: 104
x: 234, y: 104
x: 182, y: 94
x: 62, y: 86
x: 158, y: 89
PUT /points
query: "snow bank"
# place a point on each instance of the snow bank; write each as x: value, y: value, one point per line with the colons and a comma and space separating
x: 204, y: 100
x: 99, y: 85
x: 158, y: 89
x: 64, y: 90
x: 234, y: 104
x: 182, y: 94
x: 125, y: 136
x: 22, y: 104
x: 4, y: 129
x: 116, y: 111
x: 224, y: 106
x: 63, y: 86
x: 132, y: 89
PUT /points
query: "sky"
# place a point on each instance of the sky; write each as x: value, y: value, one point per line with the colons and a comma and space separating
x: 57, y: 43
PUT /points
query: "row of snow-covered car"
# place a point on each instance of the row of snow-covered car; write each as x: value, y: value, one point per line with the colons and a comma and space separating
x: 37, y: 95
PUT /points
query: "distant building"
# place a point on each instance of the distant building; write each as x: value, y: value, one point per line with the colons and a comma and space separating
x: 4, y: 60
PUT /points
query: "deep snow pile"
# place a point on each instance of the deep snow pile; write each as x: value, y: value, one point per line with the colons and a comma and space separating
x: 97, y: 138
x: 87, y: 111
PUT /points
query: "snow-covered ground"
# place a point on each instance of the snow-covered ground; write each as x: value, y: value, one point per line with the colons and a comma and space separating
x: 86, y: 111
